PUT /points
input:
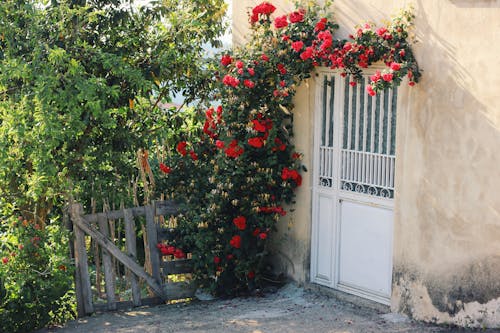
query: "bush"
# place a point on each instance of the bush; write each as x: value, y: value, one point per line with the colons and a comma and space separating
x: 35, y: 276
x: 235, y: 171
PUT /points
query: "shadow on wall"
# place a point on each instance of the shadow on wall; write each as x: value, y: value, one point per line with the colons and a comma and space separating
x: 476, y: 3
x: 447, y: 266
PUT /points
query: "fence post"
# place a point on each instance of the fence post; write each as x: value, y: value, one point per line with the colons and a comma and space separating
x: 152, y: 231
x: 132, y: 252
x: 81, y: 263
x: 109, y: 274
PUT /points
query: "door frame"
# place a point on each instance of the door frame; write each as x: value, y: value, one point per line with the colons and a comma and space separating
x: 335, y: 194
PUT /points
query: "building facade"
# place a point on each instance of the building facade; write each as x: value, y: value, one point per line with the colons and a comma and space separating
x: 401, y: 203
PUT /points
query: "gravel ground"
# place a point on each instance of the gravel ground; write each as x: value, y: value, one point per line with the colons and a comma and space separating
x: 291, y: 309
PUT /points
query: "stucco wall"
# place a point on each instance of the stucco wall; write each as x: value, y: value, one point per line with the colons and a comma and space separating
x: 447, y: 206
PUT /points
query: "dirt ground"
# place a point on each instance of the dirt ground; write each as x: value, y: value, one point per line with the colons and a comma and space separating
x: 290, y: 309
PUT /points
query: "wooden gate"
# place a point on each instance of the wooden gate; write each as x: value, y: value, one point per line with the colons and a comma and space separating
x: 93, y: 230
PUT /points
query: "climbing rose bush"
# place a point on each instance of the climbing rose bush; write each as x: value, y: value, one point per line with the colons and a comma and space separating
x: 236, y: 170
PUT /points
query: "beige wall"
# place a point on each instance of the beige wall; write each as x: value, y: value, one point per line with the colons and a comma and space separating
x: 447, y: 207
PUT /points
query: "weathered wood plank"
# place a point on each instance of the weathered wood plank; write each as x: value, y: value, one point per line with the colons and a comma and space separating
x: 177, y: 267
x: 179, y: 290
x: 130, y: 242
x: 152, y: 231
x: 81, y: 263
x: 113, y: 250
x: 109, y: 272
x: 165, y: 207
x: 80, y: 306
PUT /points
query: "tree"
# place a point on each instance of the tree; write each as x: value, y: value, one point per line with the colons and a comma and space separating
x: 79, y: 81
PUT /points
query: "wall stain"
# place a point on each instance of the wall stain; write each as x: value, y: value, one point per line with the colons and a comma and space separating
x: 466, y: 295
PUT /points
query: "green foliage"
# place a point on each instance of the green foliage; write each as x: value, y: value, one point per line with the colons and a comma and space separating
x: 80, y: 82
x: 35, y: 276
x: 235, y: 172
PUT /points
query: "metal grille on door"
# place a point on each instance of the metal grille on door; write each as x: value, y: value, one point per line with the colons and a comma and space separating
x: 367, y: 147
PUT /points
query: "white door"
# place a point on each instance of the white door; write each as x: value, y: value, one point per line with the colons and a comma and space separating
x: 353, y: 192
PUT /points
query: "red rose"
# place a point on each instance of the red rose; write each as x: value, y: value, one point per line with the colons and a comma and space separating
x: 402, y: 53
x: 262, y: 235
x: 296, y: 156
x: 387, y: 77
x: 281, y: 68
x: 251, y: 71
x: 291, y: 174
x: 229, y: 80
x: 251, y: 275
x: 264, y: 8
x: 216, y: 260
x: 248, y: 84
x: 235, y: 241
x: 411, y: 83
x: 240, y: 222
x: 5, y: 260
x: 193, y: 155
x: 239, y: 64
x: 280, y: 22
x: 297, y: 46
x: 256, y: 231
x: 282, y: 84
x: 181, y: 148
x: 352, y: 83
x: 285, y: 38
x: 264, y: 57
x: 376, y: 77
x: 370, y: 90
x: 234, y: 150
x: 395, y: 66
x: 297, y: 178
x: 321, y: 25
x: 326, y: 44
x: 230, y: 256
x: 226, y: 59
x: 257, y: 142
x: 347, y: 46
x: 381, y: 31
x: 219, y: 144
x: 259, y: 126
x: 179, y: 254
x: 325, y: 35
x: 165, y: 169
x: 170, y: 250
x: 254, y: 18
x: 307, y: 54
x: 297, y: 16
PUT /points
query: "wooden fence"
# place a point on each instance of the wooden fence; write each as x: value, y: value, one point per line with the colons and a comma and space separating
x: 151, y: 279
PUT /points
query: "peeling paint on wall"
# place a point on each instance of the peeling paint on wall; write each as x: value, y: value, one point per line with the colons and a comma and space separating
x: 467, y: 296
